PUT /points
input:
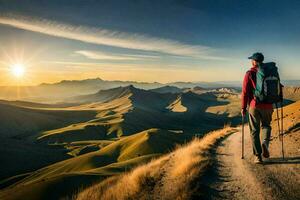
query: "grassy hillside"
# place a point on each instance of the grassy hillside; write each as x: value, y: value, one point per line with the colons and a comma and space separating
x: 22, y: 122
x: 167, y: 89
x: 107, y: 115
x: 19, y: 127
x: 291, y: 93
x: 59, y: 91
x: 101, y: 96
x: 105, y: 133
x: 291, y: 127
x: 127, y: 110
x: 19, y: 157
x: 179, y: 170
x: 232, y: 106
x: 36, y: 105
x: 102, y: 134
x: 106, y: 124
x: 176, y: 106
x: 169, y: 177
x: 112, y: 159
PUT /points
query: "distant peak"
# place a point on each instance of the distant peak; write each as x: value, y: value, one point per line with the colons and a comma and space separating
x: 198, y: 88
x: 74, y: 81
x: 131, y: 87
x: 92, y: 79
x: 99, y: 79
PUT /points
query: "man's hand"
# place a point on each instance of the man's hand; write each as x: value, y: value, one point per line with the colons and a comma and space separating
x: 243, y: 112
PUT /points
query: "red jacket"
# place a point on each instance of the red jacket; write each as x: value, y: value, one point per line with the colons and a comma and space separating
x: 249, y: 86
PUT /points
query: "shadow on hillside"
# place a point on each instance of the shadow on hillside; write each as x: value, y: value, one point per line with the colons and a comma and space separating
x: 150, y: 112
x: 286, y: 160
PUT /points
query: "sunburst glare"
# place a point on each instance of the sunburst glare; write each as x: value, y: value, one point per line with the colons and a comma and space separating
x: 18, y: 70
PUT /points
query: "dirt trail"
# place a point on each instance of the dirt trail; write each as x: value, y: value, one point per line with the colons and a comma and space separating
x: 212, y: 170
x: 234, y: 178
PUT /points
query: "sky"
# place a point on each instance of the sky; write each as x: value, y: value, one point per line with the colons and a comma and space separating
x: 139, y: 40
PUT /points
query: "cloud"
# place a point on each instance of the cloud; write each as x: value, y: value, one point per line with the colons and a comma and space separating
x: 101, y: 36
x: 114, y: 66
x: 99, y: 55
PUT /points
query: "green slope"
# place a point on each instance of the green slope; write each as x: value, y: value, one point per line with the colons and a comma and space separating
x: 24, y: 122
x: 114, y: 158
x: 19, y: 127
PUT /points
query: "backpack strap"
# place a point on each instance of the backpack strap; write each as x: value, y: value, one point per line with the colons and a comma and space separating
x: 252, y: 76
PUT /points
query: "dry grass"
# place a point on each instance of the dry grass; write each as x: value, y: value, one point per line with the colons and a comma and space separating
x: 169, y: 177
x: 291, y: 126
x: 232, y: 108
x: 177, y: 106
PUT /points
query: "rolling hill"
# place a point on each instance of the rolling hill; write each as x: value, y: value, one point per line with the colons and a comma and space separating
x: 21, y: 122
x: 19, y: 127
x: 291, y: 93
x: 167, y: 89
x: 127, y: 110
x: 102, y: 133
x: 193, y: 171
x: 65, y: 89
x: 65, y: 177
x: 58, y: 92
x: 94, y: 136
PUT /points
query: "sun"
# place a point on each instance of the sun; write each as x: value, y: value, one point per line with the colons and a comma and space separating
x: 18, y: 70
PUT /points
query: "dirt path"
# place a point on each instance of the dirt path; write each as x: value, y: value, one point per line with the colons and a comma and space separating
x: 234, y: 178
x: 211, y: 170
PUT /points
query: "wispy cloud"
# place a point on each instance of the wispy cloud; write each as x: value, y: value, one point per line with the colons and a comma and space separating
x: 100, y: 55
x: 96, y: 35
x: 115, y: 66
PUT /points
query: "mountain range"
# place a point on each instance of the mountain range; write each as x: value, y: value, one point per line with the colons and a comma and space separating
x: 92, y: 136
x: 58, y: 92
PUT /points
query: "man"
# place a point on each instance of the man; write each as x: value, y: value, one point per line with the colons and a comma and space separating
x: 260, y: 114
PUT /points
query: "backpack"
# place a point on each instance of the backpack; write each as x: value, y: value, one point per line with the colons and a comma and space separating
x: 268, y: 87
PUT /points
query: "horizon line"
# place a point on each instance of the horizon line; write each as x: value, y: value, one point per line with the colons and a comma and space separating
x: 112, y: 80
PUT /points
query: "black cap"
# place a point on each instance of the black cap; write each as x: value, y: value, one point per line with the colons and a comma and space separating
x: 257, y: 56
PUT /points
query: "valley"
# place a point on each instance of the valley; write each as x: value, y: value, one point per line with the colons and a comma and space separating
x: 87, y: 138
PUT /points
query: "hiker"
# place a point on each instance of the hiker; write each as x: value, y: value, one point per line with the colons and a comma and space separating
x: 260, y: 102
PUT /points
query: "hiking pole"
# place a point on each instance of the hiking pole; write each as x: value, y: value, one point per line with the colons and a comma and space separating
x: 279, y: 128
x: 282, y: 150
x: 278, y: 122
x: 243, y: 119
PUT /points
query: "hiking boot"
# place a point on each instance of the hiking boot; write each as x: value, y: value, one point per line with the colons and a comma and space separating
x: 258, y: 159
x: 265, y: 151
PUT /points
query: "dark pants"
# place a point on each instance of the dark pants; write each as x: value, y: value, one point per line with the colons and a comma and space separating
x: 260, y: 118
